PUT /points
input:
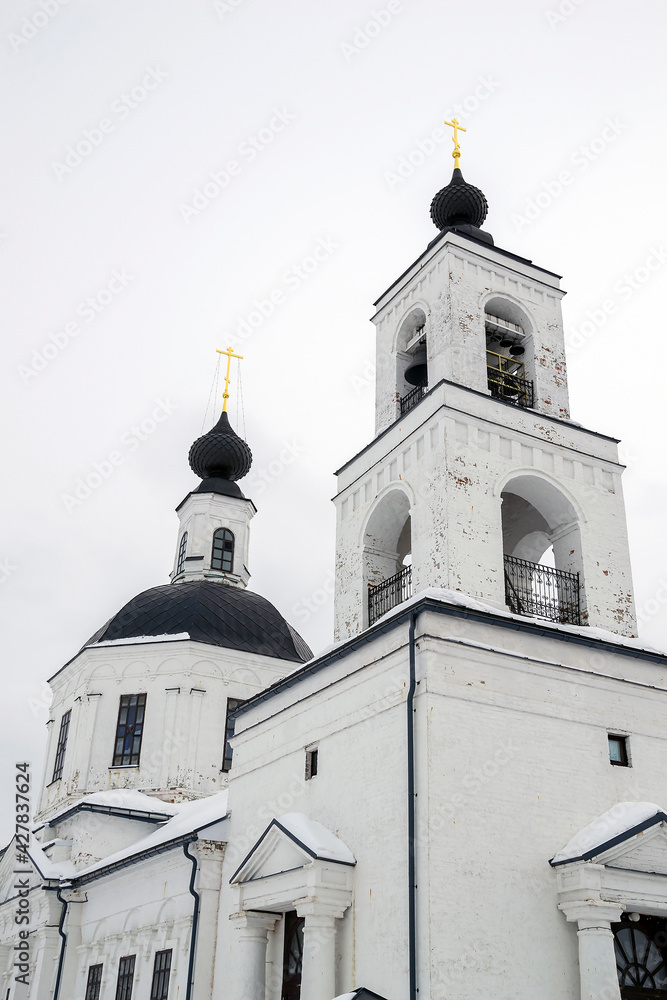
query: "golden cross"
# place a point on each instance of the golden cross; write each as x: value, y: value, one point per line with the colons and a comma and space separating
x: 230, y: 354
x: 457, y: 149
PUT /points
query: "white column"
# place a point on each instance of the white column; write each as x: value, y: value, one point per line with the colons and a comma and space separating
x: 318, y: 971
x: 597, y: 959
x: 250, y: 940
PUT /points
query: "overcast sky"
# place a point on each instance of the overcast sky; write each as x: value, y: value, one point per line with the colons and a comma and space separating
x: 168, y: 164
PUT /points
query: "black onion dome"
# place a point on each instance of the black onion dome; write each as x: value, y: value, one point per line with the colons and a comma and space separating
x: 210, y: 613
x: 459, y: 204
x: 220, y: 454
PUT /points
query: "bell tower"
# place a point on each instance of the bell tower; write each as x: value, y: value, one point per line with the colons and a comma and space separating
x: 477, y: 480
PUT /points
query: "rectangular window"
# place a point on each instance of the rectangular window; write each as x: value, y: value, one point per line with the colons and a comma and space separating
x: 161, y: 971
x: 311, y: 763
x: 125, y: 977
x: 232, y: 704
x: 62, y: 746
x: 618, y: 750
x: 94, y: 983
x: 129, y: 730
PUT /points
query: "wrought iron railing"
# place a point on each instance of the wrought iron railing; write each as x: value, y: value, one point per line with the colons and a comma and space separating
x: 412, y: 398
x: 386, y: 595
x: 542, y: 591
x: 507, y: 381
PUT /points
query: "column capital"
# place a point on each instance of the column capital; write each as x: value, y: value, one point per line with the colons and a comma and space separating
x: 321, y: 912
x: 591, y: 913
x: 255, y: 920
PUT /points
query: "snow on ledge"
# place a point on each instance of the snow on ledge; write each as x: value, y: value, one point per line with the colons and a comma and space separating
x: 322, y: 842
x: 139, y: 639
x: 613, y: 823
x: 461, y: 600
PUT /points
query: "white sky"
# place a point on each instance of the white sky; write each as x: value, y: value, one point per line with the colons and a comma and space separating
x: 219, y: 72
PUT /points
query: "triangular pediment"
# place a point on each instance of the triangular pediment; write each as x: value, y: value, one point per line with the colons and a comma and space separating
x: 643, y: 851
x: 275, y: 852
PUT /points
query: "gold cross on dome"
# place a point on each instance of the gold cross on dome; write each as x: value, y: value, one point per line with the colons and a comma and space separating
x: 454, y: 123
x: 230, y: 354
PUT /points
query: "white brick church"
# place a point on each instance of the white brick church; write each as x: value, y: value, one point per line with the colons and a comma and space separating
x: 463, y: 796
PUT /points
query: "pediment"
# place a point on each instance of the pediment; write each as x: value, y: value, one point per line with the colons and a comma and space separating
x: 645, y: 851
x: 275, y: 852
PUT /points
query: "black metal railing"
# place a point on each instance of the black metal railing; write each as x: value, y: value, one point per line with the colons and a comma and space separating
x: 542, y: 591
x: 510, y: 388
x: 412, y: 398
x: 386, y: 595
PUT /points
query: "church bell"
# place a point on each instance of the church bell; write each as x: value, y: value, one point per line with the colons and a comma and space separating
x: 417, y: 372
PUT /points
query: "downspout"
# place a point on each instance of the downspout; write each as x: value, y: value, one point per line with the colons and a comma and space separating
x: 412, y: 884
x: 63, y: 946
x: 195, y: 922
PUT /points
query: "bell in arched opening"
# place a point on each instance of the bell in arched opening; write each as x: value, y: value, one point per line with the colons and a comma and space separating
x: 417, y: 371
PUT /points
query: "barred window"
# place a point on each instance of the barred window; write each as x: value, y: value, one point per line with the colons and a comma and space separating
x: 125, y: 977
x: 180, y: 562
x: 62, y: 746
x: 223, y: 550
x: 232, y: 705
x: 129, y: 729
x: 161, y: 971
x: 94, y: 982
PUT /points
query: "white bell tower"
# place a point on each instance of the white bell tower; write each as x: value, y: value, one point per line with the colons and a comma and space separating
x: 477, y: 480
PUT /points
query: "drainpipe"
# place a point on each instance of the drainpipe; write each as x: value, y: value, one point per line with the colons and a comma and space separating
x: 61, y: 960
x: 195, y: 922
x: 412, y: 795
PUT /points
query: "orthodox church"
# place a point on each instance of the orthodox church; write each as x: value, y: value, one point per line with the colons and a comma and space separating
x: 462, y: 796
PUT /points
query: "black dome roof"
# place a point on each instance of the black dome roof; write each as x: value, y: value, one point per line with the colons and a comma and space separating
x: 214, y: 613
x: 221, y: 453
x: 459, y: 204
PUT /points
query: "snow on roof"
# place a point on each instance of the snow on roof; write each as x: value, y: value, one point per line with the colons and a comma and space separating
x: 128, y: 798
x: 461, y: 600
x: 320, y: 841
x: 140, y: 638
x: 189, y: 817
x: 621, y: 818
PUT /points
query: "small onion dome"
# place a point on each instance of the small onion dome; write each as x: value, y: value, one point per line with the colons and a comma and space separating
x: 459, y: 204
x: 220, y: 454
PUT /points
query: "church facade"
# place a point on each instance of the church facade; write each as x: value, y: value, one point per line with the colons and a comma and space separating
x: 463, y: 796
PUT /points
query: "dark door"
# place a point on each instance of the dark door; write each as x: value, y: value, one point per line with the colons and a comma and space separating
x: 292, y: 956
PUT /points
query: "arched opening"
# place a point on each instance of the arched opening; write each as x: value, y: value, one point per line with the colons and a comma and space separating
x: 542, y: 551
x: 509, y: 353
x: 182, y: 548
x: 411, y: 360
x: 222, y: 555
x: 387, y: 552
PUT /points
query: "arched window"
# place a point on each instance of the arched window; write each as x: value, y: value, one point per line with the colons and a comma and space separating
x: 388, y: 555
x: 180, y: 563
x: 641, y: 957
x: 509, y: 361
x: 411, y: 360
x: 223, y: 550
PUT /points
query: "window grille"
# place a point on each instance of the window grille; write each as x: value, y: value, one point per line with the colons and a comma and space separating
x: 386, y: 595
x: 641, y: 956
x: 180, y: 562
x: 62, y: 746
x: 125, y: 977
x: 161, y: 971
x: 542, y: 591
x: 412, y: 398
x: 223, y: 550
x: 507, y: 380
x: 129, y: 730
x: 94, y: 983
x: 232, y: 705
